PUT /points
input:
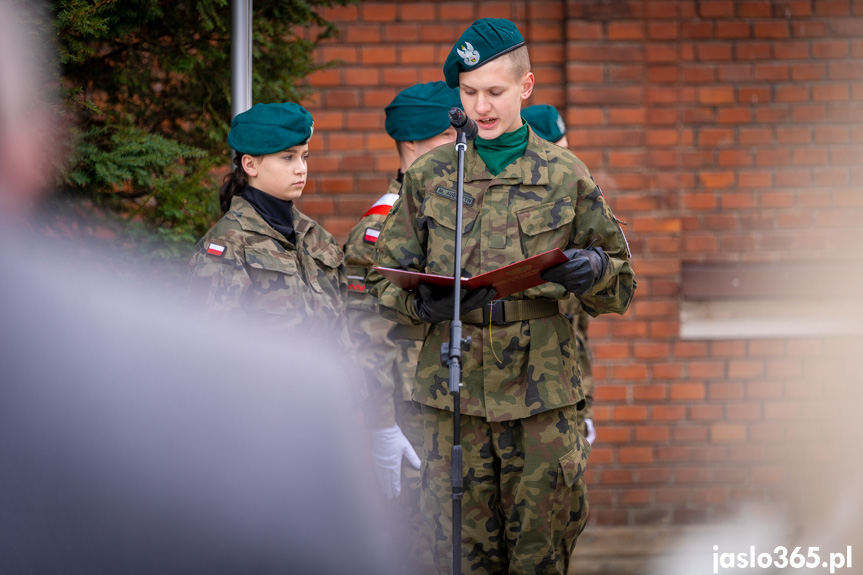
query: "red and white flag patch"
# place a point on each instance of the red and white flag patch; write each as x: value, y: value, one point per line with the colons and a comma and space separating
x: 371, y: 235
x: 216, y: 250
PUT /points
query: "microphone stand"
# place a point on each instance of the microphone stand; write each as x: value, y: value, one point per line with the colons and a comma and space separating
x: 451, y: 355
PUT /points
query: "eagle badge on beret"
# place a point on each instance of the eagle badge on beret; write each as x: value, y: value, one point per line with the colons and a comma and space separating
x: 468, y: 54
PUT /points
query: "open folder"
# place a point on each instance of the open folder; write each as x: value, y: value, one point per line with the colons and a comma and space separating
x: 506, y: 281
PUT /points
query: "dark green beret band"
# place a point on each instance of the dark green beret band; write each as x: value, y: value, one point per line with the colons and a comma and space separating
x: 421, y: 111
x: 545, y: 121
x: 270, y: 128
x: 483, y: 41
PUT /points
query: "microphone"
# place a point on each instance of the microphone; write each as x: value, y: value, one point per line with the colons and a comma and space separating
x: 460, y: 121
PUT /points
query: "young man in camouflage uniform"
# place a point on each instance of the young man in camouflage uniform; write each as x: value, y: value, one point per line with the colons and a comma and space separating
x: 418, y: 120
x: 525, y: 500
x: 546, y: 121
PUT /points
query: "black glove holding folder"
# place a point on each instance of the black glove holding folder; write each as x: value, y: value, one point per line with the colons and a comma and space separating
x: 434, y: 304
x: 581, y: 272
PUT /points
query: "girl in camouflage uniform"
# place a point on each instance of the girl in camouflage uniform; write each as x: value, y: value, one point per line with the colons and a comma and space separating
x: 265, y: 260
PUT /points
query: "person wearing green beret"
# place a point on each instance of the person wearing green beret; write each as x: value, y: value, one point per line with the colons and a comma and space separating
x: 264, y: 260
x: 548, y: 124
x: 417, y: 120
x: 525, y: 500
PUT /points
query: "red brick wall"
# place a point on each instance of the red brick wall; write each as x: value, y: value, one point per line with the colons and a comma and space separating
x: 721, y: 131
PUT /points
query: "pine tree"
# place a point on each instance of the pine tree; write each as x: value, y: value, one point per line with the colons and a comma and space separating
x: 146, y: 86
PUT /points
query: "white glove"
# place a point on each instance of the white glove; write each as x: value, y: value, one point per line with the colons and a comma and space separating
x: 389, y: 445
x: 591, y: 431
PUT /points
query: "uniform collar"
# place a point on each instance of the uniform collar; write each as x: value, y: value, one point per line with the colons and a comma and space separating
x: 534, y: 172
x: 395, y: 186
x: 251, y: 221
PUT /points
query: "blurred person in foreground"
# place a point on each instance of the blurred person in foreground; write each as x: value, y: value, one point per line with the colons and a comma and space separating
x: 136, y: 440
x: 30, y: 136
x: 417, y: 119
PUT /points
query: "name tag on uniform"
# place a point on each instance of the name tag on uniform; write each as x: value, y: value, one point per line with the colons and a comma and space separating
x: 452, y: 195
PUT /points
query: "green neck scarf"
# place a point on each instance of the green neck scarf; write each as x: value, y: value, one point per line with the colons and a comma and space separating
x: 503, y: 150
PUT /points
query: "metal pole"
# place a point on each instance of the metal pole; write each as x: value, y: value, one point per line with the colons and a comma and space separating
x: 455, y: 348
x: 451, y: 351
x: 241, y: 56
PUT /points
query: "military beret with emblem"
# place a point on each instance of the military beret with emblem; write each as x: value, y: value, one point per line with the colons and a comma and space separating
x: 270, y: 128
x: 545, y: 121
x: 421, y: 111
x: 483, y: 41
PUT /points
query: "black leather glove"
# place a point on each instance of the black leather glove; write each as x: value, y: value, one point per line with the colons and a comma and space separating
x: 581, y: 272
x: 433, y: 304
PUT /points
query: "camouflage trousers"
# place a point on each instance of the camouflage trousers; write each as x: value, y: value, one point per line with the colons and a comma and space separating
x: 525, y: 500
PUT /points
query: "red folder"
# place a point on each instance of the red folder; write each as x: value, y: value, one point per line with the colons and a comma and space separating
x: 506, y: 281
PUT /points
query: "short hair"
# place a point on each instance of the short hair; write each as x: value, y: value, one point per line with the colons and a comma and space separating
x: 519, y: 61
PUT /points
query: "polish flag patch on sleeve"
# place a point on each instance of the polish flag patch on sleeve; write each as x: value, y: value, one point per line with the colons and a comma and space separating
x: 215, y: 249
x: 371, y: 235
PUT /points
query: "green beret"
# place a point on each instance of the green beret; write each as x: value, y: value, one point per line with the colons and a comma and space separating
x: 270, y: 128
x: 545, y: 121
x: 482, y: 42
x: 421, y: 111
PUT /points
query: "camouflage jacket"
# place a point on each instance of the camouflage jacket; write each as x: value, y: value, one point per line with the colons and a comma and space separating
x: 243, y: 267
x: 543, y: 200
x: 378, y: 354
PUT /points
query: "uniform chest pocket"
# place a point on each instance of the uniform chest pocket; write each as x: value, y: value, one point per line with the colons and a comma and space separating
x: 270, y: 260
x: 546, y: 226
x: 328, y: 255
x: 438, y: 215
x: 276, y: 285
x: 324, y: 278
